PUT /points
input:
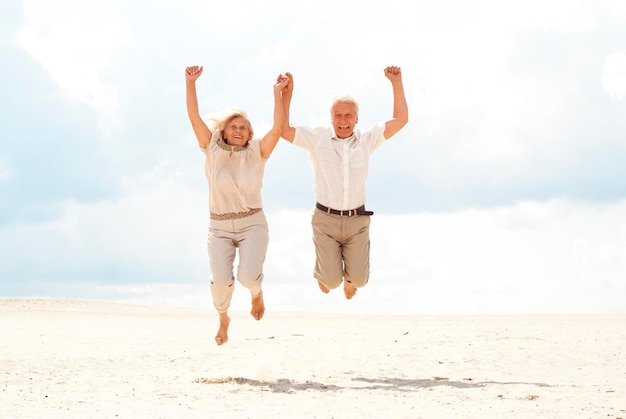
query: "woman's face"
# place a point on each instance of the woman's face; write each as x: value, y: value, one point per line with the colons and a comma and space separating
x: 237, y: 131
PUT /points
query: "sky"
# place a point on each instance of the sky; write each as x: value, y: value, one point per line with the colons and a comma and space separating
x: 504, y: 194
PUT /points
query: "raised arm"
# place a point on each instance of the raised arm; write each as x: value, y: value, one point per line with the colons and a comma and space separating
x: 203, y: 134
x: 289, y: 132
x: 400, y: 108
x: 268, y: 142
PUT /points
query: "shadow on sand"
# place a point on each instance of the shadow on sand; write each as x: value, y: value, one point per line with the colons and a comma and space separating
x: 283, y: 385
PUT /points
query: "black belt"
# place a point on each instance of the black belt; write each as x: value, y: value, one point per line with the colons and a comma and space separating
x: 345, y: 213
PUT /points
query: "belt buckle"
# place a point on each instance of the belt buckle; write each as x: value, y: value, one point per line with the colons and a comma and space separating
x: 346, y: 213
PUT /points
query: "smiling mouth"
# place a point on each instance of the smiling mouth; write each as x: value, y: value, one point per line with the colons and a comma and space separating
x: 344, y: 126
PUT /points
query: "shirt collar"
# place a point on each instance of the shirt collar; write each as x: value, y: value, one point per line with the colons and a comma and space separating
x: 354, y: 136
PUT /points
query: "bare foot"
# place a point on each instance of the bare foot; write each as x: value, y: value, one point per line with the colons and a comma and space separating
x: 222, y: 333
x: 348, y: 289
x: 258, y: 306
x: 323, y: 287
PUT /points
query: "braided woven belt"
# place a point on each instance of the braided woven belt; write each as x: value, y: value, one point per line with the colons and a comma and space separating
x: 234, y: 215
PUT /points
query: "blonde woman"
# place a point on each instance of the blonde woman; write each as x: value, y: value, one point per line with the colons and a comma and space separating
x: 234, y: 165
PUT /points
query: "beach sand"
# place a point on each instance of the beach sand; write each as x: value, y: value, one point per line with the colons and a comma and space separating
x: 86, y: 359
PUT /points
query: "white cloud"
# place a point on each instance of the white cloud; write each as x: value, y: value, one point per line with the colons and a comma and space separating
x: 75, y: 42
x: 156, y: 227
x: 617, y: 9
x: 553, y: 15
x: 531, y: 215
x: 614, y: 75
x: 550, y: 257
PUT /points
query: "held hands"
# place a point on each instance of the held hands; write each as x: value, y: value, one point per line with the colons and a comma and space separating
x: 393, y: 73
x: 288, y: 90
x: 282, y: 83
x: 192, y: 73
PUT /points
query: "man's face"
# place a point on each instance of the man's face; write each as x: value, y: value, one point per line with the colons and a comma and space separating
x: 344, y: 119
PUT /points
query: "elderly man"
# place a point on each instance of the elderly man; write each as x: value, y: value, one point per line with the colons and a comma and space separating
x: 340, y: 156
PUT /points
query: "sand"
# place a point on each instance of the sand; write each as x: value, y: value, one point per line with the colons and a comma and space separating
x: 86, y: 359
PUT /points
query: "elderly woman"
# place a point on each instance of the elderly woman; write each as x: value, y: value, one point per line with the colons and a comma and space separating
x: 234, y: 165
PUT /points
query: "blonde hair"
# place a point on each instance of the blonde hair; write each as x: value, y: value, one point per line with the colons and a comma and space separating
x: 220, y: 120
x: 348, y: 99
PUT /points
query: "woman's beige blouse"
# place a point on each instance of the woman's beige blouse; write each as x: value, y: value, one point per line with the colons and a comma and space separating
x: 235, y: 175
